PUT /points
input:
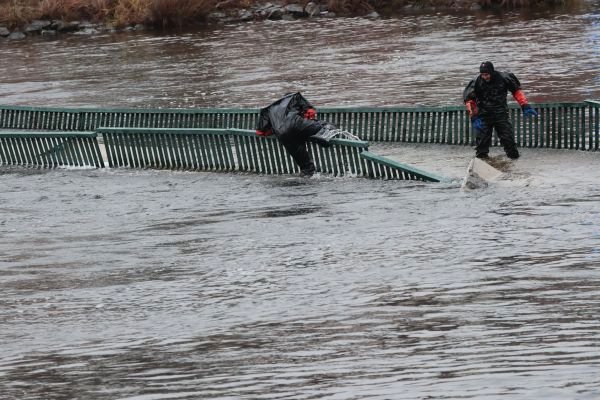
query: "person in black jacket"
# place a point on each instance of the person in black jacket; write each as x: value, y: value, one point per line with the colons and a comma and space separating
x: 485, y: 98
x: 292, y: 120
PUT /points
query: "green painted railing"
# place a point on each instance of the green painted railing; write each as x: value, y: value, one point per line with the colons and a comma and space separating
x: 381, y: 167
x: 594, y: 123
x: 218, y: 150
x: 50, y: 149
x: 207, y: 149
x: 88, y: 119
x: 560, y: 125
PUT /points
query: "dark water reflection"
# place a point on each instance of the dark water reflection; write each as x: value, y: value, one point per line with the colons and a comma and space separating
x: 118, y: 284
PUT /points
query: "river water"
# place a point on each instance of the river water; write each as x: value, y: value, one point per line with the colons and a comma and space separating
x: 140, y: 284
x: 418, y: 59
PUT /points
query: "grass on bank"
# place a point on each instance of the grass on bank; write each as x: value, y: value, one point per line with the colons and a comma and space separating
x: 178, y: 13
x: 165, y: 13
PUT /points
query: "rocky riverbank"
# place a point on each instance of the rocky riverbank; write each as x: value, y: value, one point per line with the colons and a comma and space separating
x: 258, y: 12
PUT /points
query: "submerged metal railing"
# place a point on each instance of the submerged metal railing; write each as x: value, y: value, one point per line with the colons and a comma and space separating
x: 205, y: 140
x: 594, y: 122
x: 200, y: 149
x: 89, y: 119
x: 50, y: 149
x: 382, y: 167
x: 559, y: 125
x: 241, y: 150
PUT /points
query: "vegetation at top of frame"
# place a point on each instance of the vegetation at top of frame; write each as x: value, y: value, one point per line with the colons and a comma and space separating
x: 178, y: 13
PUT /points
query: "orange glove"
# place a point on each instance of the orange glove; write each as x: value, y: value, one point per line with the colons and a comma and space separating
x: 520, y: 97
x: 310, y: 114
x: 471, y: 108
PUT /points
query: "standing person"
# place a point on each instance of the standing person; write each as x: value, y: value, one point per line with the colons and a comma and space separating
x: 485, y: 98
x: 292, y: 120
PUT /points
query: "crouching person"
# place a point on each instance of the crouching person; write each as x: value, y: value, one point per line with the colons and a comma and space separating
x: 292, y: 120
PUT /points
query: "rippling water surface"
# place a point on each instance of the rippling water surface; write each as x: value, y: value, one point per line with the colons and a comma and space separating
x: 414, y: 59
x: 123, y: 284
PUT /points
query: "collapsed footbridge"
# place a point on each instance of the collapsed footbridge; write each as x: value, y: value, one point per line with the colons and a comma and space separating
x: 224, y: 139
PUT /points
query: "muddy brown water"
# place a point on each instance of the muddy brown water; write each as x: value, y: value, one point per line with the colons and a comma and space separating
x: 141, y: 284
x: 412, y: 60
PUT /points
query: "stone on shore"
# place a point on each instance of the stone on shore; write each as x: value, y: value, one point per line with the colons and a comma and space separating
x: 63, y: 26
x: 36, y: 26
x: 17, y: 35
x: 295, y: 9
x: 312, y: 9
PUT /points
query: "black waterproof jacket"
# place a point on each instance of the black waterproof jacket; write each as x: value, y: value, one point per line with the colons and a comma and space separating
x: 286, y: 117
x: 491, y: 96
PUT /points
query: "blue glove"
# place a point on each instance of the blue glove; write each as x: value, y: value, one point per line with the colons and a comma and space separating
x: 528, y: 111
x: 477, y: 123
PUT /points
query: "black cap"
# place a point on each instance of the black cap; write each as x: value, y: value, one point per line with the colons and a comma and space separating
x: 486, y: 67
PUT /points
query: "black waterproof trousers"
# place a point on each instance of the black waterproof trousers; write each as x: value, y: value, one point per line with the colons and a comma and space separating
x: 504, y: 130
x: 295, y: 143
